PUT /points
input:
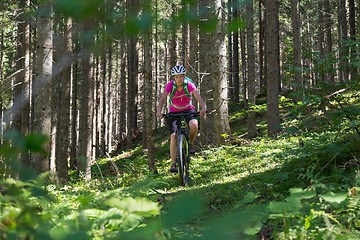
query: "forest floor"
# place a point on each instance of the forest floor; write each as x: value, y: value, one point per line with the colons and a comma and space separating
x: 302, y: 185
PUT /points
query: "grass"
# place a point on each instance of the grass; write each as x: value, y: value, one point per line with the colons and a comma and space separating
x: 302, y: 185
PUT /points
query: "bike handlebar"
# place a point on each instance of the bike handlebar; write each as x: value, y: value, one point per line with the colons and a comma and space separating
x: 180, y: 114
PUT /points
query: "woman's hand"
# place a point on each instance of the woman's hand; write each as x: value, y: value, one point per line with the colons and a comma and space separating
x: 202, y: 112
x: 159, y: 115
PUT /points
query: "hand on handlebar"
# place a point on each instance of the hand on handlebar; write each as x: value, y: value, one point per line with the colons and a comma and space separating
x: 202, y: 112
x: 159, y: 115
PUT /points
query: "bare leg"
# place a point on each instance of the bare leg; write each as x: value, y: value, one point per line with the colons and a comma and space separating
x: 193, y: 124
x: 173, y: 147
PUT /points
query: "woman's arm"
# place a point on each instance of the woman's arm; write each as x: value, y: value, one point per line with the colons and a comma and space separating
x: 201, y: 102
x: 161, y: 104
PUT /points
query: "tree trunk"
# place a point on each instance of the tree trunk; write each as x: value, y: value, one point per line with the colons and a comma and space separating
x: 235, y: 61
x: 244, y: 67
x: 23, y: 77
x: 122, y: 117
x: 321, y: 41
x: 230, y: 53
x: 273, y: 66
x: 74, y: 103
x: 343, y: 32
x: 222, y: 126
x: 109, y: 101
x: 56, y: 89
x: 148, y: 98
x: 132, y: 80
x: 251, y: 70
x: 132, y: 90
x: 173, y: 45
x: 185, y: 38
x: 42, y: 82
x: 104, y: 123
x: 328, y: 27
x: 193, y: 64
x: 205, y: 79
x: 261, y: 49
x: 62, y: 147
x: 296, y: 25
x: 217, y: 83
x: 1, y: 83
x: 352, y: 26
x: 86, y: 107
x: 97, y: 112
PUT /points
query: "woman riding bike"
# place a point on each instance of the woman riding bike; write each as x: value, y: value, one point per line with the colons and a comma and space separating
x: 180, y: 90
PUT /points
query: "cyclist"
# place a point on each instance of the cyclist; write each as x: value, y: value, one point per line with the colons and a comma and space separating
x: 180, y: 90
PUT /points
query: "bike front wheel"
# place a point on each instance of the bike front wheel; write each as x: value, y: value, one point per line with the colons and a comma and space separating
x: 183, y: 159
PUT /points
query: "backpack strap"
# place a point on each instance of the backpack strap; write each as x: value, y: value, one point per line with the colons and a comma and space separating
x: 174, y: 89
x: 186, y: 81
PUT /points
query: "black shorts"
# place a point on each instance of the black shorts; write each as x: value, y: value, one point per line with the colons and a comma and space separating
x: 173, y: 121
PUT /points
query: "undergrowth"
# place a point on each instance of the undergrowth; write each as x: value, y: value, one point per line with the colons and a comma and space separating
x: 302, y: 185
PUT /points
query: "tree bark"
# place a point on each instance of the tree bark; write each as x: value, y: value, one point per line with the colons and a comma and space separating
x: 244, y: 67
x: 205, y: 44
x: 63, y: 139
x: 109, y: 101
x: 86, y: 106
x: 273, y: 66
x: 193, y: 64
x: 173, y: 43
x: 321, y: 41
x: 42, y: 82
x: 328, y: 34
x: 216, y: 96
x: 261, y: 49
x: 230, y: 52
x: 235, y: 61
x: 148, y: 97
x: 122, y: 117
x: 23, y: 66
x: 344, y: 50
x: 132, y: 81
x: 352, y: 26
x: 251, y: 70
x: 104, y: 123
x: 74, y: 102
x: 296, y: 25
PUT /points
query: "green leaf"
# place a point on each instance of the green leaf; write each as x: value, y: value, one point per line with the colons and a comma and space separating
x: 78, y: 9
x: 249, y: 197
x: 278, y: 207
x: 209, y: 26
x: 35, y: 143
x: 93, y: 213
x: 247, y: 219
x: 184, y: 209
x: 302, y: 194
x: 135, y: 24
x: 307, y: 223
x: 334, y: 197
x: 236, y: 24
x: 139, y: 206
x: 293, y: 202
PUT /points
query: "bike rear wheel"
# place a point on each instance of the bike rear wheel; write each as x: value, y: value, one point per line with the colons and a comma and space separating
x: 183, y: 159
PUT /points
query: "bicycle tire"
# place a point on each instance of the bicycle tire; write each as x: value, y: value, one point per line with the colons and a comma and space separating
x: 183, y: 159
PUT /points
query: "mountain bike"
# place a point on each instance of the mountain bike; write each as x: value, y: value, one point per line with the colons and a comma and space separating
x: 183, y: 151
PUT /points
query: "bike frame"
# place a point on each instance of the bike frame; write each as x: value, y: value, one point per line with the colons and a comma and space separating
x: 183, y: 159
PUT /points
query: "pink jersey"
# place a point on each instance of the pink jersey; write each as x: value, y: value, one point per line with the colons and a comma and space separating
x: 180, y: 99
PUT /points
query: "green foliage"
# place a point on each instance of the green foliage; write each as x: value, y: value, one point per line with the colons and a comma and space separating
x: 303, y: 185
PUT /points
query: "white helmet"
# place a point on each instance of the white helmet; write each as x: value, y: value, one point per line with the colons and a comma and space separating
x: 178, y: 70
